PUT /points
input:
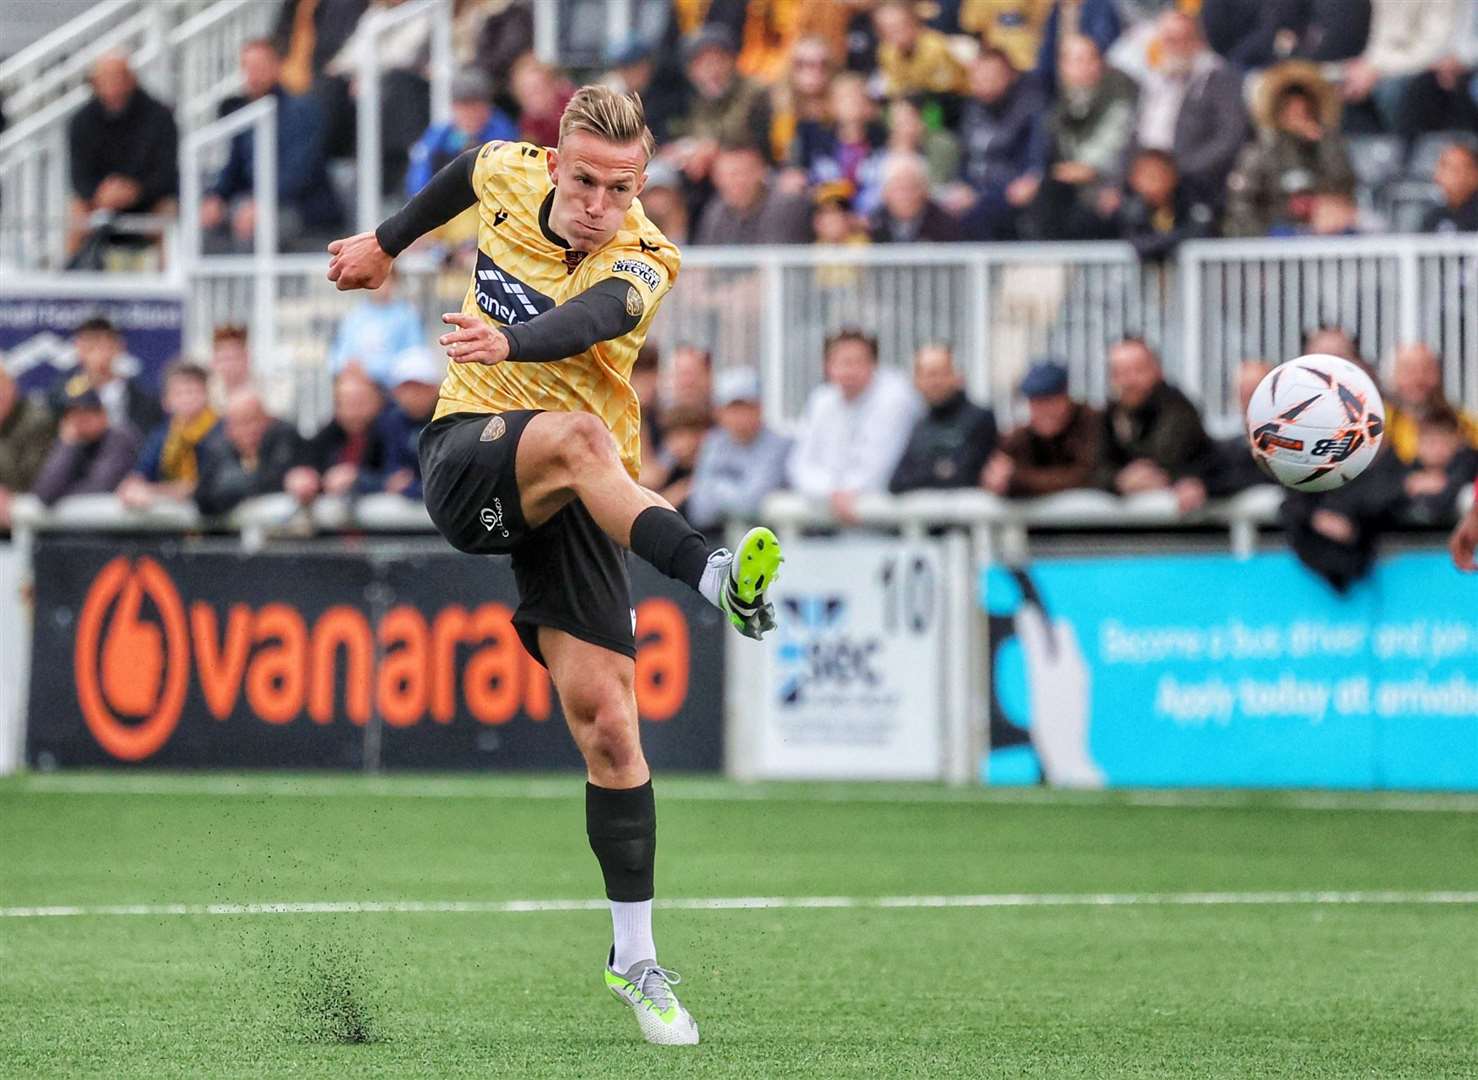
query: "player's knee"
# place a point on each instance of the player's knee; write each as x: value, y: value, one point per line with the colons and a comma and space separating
x: 609, y: 722
x: 586, y: 443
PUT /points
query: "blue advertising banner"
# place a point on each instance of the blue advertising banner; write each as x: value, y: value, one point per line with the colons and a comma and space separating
x: 36, y: 328
x: 1204, y: 671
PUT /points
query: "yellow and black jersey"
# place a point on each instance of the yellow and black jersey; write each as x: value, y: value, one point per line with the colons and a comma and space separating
x: 524, y: 269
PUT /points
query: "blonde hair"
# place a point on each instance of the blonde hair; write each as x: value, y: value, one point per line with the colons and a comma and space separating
x: 610, y: 115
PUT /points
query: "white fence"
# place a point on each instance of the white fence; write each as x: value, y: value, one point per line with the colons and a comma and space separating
x: 999, y: 306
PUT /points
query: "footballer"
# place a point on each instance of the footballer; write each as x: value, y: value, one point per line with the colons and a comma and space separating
x: 534, y: 449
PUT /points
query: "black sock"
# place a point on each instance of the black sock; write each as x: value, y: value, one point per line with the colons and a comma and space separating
x: 663, y: 538
x: 622, y: 826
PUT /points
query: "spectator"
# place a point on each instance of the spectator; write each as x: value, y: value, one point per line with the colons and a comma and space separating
x: 332, y: 460
x: 909, y: 135
x: 91, y: 453
x: 1331, y: 341
x: 907, y: 214
x: 847, y: 144
x: 474, y: 122
x: 1298, y: 151
x: 803, y: 97
x: 26, y: 433
x: 645, y: 377
x: 415, y: 384
x: 374, y: 332
x: 747, y: 208
x: 832, y: 219
x: 855, y: 426
x: 950, y: 443
x: 1416, y: 394
x: 124, y: 152
x: 542, y: 93
x: 690, y: 379
x: 1013, y: 28
x: 912, y: 58
x: 230, y: 362
x: 1152, y: 435
x: 683, y: 432
x: 664, y: 202
x: 491, y: 35
x: 1089, y: 131
x: 742, y: 460
x: 261, y: 74
x: 1000, y: 135
x: 1158, y: 213
x: 169, y: 466
x: 1445, y: 97
x: 1253, y: 34
x: 1058, y: 447
x: 1336, y: 533
x: 1443, y: 466
x: 1233, y: 468
x: 725, y: 110
x: 1097, y: 20
x: 1191, y: 107
x: 308, y: 34
x: 249, y: 456
x: 307, y: 206
x: 633, y: 69
x: 1456, y: 176
x: 1407, y: 39
x: 100, y: 354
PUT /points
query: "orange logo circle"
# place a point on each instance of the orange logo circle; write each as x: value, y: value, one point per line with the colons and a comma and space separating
x: 133, y: 669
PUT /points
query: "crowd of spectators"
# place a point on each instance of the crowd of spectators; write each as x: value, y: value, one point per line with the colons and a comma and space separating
x: 1152, y: 121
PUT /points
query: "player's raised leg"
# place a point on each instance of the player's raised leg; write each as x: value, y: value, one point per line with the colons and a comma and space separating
x: 595, y: 687
x: 564, y: 456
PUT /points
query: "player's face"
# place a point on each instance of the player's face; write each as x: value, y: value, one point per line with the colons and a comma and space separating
x: 594, y: 183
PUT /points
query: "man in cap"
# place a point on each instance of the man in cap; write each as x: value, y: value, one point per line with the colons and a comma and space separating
x: 415, y: 382
x: 742, y: 460
x: 91, y: 454
x: 726, y: 108
x: 1057, y: 449
x: 474, y: 121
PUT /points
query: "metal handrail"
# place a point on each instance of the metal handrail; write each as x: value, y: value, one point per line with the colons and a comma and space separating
x: 367, y: 105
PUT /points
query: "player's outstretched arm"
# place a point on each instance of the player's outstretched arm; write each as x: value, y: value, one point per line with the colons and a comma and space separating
x: 363, y: 261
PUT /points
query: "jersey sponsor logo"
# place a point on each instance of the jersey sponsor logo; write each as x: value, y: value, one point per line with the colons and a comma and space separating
x: 644, y: 272
x: 494, y: 430
x: 634, y: 305
x: 492, y: 518
x: 504, y: 297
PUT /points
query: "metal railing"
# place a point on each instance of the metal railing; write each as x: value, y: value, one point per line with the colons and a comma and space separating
x: 997, y: 305
x: 369, y: 147
x: 206, y: 50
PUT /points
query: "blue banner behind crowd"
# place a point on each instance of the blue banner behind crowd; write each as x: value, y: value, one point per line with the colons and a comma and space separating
x: 36, y: 332
x: 1209, y: 671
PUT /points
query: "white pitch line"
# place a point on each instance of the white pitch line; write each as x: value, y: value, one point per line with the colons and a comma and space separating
x: 723, y: 791
x: 754, y: 903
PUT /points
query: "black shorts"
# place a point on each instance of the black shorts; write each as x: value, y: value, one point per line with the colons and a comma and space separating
x: 570, y: 575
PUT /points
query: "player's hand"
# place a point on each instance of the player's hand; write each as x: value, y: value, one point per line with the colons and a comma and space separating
x: 474, y: 341
x: 358, y: 262
x: 1464, y: 542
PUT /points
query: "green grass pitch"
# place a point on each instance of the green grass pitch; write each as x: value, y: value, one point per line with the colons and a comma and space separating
x: 1372, y: 990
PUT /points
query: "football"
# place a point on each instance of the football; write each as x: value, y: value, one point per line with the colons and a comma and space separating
x: 1315, y: 423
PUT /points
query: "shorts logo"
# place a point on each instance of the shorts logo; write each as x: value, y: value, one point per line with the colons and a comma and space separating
x: 644, y: 272
x: 495, y: 429
x: 492, y: 518
x: 634, y: 305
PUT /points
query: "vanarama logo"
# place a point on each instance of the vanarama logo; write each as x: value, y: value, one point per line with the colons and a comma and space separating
x: 138, y: 644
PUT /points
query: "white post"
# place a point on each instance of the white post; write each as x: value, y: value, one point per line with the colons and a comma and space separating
x: 442, y: 62
x: 266, y: 239
x: 367, y: 131
x: 772, y: 342
x: 546, y: 31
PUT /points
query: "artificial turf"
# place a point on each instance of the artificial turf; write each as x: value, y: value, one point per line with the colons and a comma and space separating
x: 1231, y: 990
